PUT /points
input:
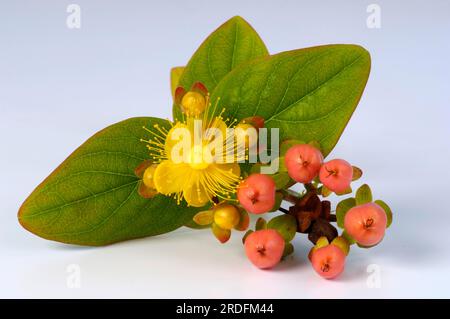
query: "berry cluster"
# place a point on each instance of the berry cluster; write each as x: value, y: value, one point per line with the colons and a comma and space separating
x: 363, y: 221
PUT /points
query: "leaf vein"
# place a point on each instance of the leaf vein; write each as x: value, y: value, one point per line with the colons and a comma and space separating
x: 46, y: 211
x: 315, y: 89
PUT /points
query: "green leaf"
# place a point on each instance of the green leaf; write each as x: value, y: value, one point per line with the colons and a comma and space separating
x: 363, y: 195
x: 342, y: 208
x: 325, y: 192
x: 285, y: 224
x: 315, y: 144
x: 347, y: 191
x: 278, y: 200
x: 277, y: 162
x: 232, y: 44
x: 310, y: 94
x: 322, y: 242
x: 92, y: 197
x: 281, y: 179
x: 175, y: 74
x: 342, y: 243
x: 387, y: 210
x: 288, y: 250
x: 282, y: 170
x: 282, y: 164
x: 357, y: 173
x: 348, y: 238
x: 260, y: 224
x: 246, y: 235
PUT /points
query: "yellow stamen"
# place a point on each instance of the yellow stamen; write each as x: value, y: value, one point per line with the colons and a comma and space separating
x: 199, y: 180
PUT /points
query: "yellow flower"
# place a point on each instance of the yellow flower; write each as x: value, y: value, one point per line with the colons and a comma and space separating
x: 189, y: 156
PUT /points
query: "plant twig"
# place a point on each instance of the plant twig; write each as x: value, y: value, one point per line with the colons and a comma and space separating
x: 290, y: 196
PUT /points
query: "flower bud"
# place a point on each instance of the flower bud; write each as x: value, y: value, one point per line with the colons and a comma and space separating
x: 193, y: 103
x: 226, y: 216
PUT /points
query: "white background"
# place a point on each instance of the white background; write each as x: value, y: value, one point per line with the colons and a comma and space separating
x: 59, y: 86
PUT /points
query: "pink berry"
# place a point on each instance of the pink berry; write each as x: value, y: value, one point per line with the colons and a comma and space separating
x: 366, y: 224
x: 264, y: 248
x: 328, y: 261
x: 257, y: 193
x: 303, y: 162
x: 336, y: 175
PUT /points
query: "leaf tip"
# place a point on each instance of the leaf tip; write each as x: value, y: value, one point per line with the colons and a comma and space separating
x: 238, y: 19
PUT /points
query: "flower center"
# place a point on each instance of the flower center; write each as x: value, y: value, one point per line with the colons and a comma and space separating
x: 197, y: 158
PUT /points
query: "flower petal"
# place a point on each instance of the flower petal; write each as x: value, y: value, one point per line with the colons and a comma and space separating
x: 194, y: 191
x: 169, y: 177
x: 244, y: 220
x: 230, y: 169
x: 200, y: 88
x: 178, y: 94
x: 139, y: 171
x: 145, y: 191
x: 204, y: 218
x: 223, y: 235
